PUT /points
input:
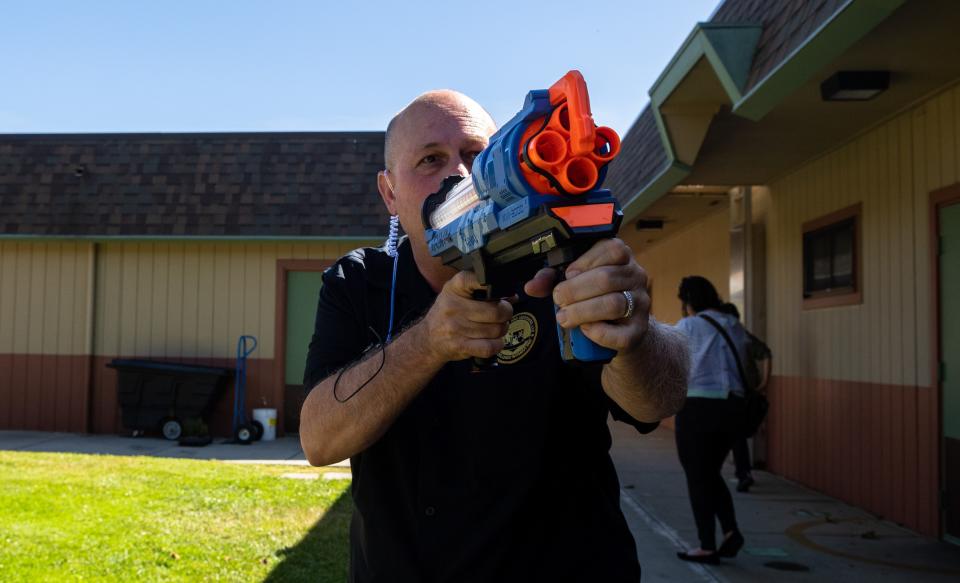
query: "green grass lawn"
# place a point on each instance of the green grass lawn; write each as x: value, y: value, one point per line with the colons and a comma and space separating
x: 68, y: 517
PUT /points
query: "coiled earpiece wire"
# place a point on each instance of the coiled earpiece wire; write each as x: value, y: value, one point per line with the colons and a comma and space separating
x: 392, y: 240
x: 392, y: 252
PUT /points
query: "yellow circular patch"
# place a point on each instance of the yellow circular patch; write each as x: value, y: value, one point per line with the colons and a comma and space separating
x: 520, y: 337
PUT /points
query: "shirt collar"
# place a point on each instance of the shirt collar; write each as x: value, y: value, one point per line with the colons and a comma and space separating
x: 410, y: 282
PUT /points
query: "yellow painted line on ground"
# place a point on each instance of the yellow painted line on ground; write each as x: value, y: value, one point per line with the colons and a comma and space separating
x: 798, y: 535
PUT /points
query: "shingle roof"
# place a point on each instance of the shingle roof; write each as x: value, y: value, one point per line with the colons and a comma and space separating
x: 242, y: 184
x: 786, y: 25
x: 642, y: 157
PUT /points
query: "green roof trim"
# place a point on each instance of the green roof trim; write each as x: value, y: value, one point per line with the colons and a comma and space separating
x: 664, y: 136
x: 669, y: 177
x: 672, y: 173
x: 729, y: 49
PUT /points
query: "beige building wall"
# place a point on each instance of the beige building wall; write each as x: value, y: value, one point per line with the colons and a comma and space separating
x: 703, y: 248
x: 153, y: 299
x: 192, y: 300
x: 891, y: 170
x: 44, y: 297
x: 854, y: 409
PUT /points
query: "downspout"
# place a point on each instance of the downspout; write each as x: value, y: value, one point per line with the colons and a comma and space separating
x: 91, y: 333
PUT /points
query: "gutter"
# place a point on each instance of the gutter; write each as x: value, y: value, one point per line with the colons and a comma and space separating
x: 90, y: 347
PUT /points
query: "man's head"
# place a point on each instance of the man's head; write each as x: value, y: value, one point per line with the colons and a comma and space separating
x: 438, y: 134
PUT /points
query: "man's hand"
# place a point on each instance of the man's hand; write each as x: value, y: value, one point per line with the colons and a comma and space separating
x: 592, y: 295
x: 458, y: 326
x: 647, y: 378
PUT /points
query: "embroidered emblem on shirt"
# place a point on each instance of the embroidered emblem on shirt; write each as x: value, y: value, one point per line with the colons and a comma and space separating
x: 520, y: 338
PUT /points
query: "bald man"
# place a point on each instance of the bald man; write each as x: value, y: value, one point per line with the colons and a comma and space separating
x: 502, y: 475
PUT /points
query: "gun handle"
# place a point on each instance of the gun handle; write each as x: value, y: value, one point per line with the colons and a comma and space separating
x: 484, y: 364
x: 575, y: 346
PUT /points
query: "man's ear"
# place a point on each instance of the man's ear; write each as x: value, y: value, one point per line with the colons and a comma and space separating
x: 386, y: 192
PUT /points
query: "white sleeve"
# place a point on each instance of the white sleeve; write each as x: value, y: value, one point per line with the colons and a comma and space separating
x: 682, y: 326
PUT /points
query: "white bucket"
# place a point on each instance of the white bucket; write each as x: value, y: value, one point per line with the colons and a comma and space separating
x: 267, y: 418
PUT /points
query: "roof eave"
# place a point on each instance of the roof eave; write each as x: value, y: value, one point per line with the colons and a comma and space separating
x: 729, y: 48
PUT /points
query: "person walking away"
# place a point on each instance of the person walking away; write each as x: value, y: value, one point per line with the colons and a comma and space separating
x: 710, y: 420
x: 757, y: 366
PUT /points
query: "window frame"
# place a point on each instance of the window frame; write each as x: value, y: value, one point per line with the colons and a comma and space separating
x: 846, y: 296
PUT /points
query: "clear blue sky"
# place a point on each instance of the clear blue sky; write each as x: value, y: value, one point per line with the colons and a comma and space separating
x: 199, y: 65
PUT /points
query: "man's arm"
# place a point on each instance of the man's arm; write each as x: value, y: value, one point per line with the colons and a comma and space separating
x: 648, y: 377
x: 650, y: 381
x: 335, y: 427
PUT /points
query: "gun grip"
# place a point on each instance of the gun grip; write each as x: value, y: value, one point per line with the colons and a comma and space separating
x: 482, y: 364
x: 576, y: 347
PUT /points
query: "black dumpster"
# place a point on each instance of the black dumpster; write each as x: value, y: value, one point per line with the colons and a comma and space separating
x: 162, y: 395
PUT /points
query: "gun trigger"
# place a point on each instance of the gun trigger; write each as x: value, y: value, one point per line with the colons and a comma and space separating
x: 484, y: 293
x: 560, y: 256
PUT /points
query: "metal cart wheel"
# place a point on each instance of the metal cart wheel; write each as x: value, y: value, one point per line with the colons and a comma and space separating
x: 257, y: 429
x: 171, y: 429
x: 244, y: 434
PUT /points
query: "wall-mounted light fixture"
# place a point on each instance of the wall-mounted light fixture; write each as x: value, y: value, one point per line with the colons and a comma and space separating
x: 854, y: 85
x: 649, y: 224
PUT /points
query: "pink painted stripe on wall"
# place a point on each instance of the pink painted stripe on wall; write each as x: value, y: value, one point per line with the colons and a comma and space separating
x: 874, y: 446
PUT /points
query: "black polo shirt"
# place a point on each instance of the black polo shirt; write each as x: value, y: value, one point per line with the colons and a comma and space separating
x: 502, y: 475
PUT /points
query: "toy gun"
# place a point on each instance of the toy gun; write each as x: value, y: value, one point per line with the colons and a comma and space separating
x: 533, y: 199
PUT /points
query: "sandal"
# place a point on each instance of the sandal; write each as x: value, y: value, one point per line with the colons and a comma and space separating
x: 731, y: 545
x: 709, y: 558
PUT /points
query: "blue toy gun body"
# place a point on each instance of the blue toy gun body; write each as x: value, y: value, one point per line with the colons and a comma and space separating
x: 533, y: 199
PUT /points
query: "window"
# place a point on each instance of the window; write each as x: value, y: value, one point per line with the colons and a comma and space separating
x: 831, y: 260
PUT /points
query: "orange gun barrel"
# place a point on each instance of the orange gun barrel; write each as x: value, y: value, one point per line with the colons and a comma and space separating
x: 566, y: 152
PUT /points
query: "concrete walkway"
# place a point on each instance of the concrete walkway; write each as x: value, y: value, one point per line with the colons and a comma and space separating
x: 285, y: 450
x: 786, y: 526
